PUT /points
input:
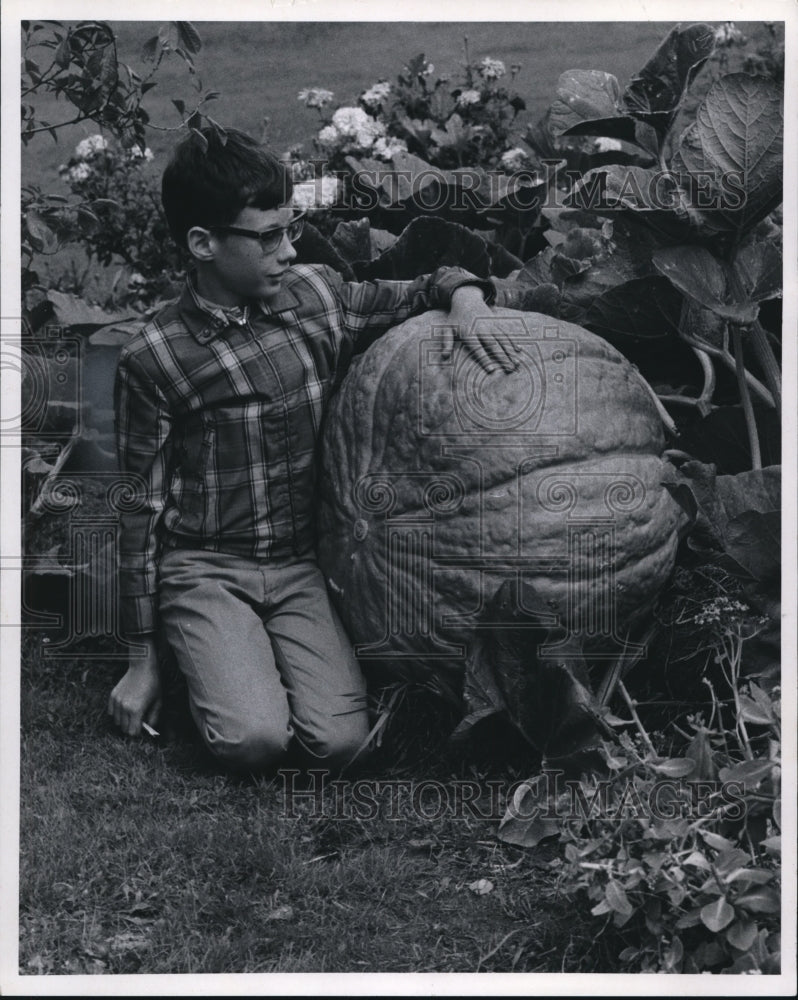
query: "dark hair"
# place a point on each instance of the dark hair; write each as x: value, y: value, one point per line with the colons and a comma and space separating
x: 207, y: 183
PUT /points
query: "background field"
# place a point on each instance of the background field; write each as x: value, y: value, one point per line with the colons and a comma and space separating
x: 259, y: 68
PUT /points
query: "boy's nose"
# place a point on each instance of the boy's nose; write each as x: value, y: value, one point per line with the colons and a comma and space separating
x: 286, y: 251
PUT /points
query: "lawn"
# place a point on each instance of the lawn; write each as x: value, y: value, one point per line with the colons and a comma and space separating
x: 141, y: 856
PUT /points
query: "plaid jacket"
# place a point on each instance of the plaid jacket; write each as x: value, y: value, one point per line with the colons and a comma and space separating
x: 218, y: 412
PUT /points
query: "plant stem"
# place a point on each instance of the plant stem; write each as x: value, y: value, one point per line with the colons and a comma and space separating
x: 704, y: 401
x: 745, y: 397
x: 664, y: 416
x: 631, y: 705
x: 716, y: 352
x: 735, y: 654
x: 767, y: 359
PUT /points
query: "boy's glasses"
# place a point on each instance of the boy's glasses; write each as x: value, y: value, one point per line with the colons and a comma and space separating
x: 269, y: 239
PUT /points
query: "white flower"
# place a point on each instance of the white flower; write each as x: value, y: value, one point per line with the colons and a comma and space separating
x: 727, y: 34
x: 355, y: 124
x: 469, y: 97
x: 313, y: 195
x: 329, y: 137
x: 89, y: 146
x: 514, y: 159
x: 377, y: 94
x: 80, y: 172
x: 603, y: 144
x: 491, y: 69
x: 386, y: 147
x: 315, y: 97
x: 137, y: 153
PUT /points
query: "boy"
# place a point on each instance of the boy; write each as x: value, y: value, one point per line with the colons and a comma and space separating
x: 219, y: 402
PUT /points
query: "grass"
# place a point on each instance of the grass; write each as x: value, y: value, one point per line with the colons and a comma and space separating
x: 140, y: 856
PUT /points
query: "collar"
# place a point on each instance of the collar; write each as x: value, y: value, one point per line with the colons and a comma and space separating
x: 205, y: 319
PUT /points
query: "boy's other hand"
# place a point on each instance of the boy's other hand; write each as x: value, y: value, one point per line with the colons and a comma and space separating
x: 137, y: 697
x: 490, y: 345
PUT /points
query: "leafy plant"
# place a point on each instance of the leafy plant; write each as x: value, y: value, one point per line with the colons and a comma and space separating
x: 423, y: 144
x: 79, y: 64
x: 677, y: 846
x: 120, y: 191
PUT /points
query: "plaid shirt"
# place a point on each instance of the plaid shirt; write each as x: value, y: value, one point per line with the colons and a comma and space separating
x: 218, y: 412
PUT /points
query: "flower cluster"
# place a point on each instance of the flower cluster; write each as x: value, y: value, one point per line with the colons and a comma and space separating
x: 122, y: 197
x: 315, y: 97
x: 729, y: 615
x: 92, y: 144
x: 93, y: 154
x: 491, y: 69
x: 515, y: 159
x: 386, y: 147
x: 311, y: 196
x: 728, y: 34
x: 466, y: 120
x: 377, y: 95
x: 351, y: 128
x: 467, y: 97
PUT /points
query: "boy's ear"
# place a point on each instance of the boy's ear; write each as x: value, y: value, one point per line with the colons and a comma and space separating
x: 198, y: 241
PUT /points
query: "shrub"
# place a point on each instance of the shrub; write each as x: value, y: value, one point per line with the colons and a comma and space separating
x: 122, y: 190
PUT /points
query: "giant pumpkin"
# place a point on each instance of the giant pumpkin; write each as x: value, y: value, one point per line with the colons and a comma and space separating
x: 441, y: 481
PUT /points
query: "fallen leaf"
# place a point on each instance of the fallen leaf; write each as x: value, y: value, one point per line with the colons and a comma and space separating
x: 482, y: 886
x: 284, y: 912
x: 128, y: 941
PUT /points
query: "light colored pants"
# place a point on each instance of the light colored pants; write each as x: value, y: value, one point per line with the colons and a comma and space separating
x: 265, y: 658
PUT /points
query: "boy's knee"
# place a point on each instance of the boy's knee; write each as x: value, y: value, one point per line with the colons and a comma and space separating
x: 251, y: 748
x: 337, y: 743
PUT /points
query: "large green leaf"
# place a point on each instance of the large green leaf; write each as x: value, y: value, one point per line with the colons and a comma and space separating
x: 655, y: 93
x: 643, y: 307
x: 426, y: 244
x: 74, y: 312
x: 357, y: 240
x: 528, y: 819
x: 583, y: 95
x: 710, y: 282
x: 314, y: 248
x: 722, y: 438
x: 411, y: 182
x: 547, y: 699
x: 621, y: 127
x: 649, y: 195
x: 731, y: 156
x: 742, y: 515
x: 758, y: 266
x: 717, y: 914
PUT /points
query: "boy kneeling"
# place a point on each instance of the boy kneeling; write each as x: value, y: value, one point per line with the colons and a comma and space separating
x: 219, y: 403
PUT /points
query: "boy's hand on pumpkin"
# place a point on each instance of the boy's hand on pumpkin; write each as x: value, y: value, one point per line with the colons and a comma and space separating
x: 487, y: 342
